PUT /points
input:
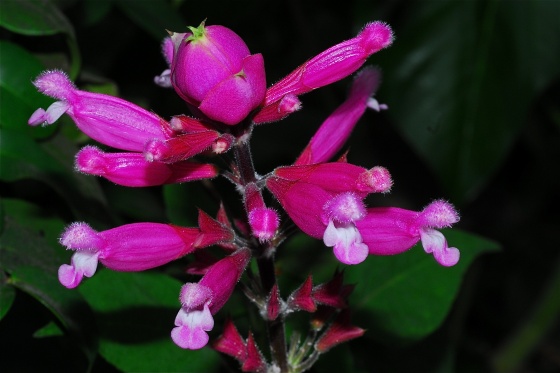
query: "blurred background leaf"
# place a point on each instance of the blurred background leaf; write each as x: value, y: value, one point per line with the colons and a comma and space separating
x: 34, y: 17
x: 473, y: 90
x: 135, y: 313
x: 462, y: 78
x: 404, y: 298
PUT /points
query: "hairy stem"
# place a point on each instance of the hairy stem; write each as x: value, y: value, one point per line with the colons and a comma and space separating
x: 276, y: 335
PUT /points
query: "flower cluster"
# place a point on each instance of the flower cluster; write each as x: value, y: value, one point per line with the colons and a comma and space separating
x: 224, y: 86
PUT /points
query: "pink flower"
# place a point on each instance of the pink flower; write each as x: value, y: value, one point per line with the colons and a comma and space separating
x: 325, y: 200
x: 213, y: 70
x: 133, y: 170
x: 333, y: 64
x: 336, y: 129
x: 131, y: 247
x: 109, y: 120
x: 203, y: 299
x: 391, y: 230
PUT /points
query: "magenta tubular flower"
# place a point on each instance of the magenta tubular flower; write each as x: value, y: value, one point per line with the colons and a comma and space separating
x: 326, y: 200
x: 131, y: 247
x: 133, y: 170
x: 391, y: 230
x: 336, y: 129
x: 109, y: 120
x: 214, y: 71
x: 333, y: 64
x: 203, y: 299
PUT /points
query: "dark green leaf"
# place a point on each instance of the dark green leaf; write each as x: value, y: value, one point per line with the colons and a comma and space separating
x: 30, y: 238
x: 67, y: 305
x: 31, y: 255
x: 153, y: 16
x: 138, y: 204
x: 135, y: 313
x: 19, y: 98
x: 51, y: 163
x: 460, y: 78
x: 7, y: 295
x: 34, y: 17
x: 49, y: 330
x: 95, y: 10
x: 408, y: 296
x: 178, y: 204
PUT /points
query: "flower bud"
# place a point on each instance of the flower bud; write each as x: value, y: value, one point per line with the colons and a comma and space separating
x: 214, y: 71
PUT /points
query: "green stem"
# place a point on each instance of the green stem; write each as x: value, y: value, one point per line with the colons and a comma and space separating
x: 75, y: 57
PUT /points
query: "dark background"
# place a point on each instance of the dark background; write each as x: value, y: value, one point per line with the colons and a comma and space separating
x: 503, y: 86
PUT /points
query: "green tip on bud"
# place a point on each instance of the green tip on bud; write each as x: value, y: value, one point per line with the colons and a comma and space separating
x: 197, y: 32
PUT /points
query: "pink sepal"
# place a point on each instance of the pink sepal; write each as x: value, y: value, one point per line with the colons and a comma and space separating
x: 301, y: 299
x: 255, y: 361
x: 273, y: 304
x: 339, y: 332
x: 212, y: 232
x: 186, y: 124
x: 180, y: 147
x: 333, y: 293
x: 231, y: 343
x: 278, y: 110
